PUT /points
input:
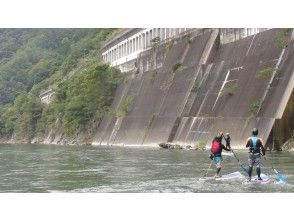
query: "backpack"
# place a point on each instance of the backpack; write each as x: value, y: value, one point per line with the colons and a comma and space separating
x: 215, y: 147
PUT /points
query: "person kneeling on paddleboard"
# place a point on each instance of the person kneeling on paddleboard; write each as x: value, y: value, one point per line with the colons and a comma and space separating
x: 256, y: 150
x: 216, y: 151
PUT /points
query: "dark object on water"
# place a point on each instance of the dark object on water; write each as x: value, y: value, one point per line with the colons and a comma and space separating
x: 165, y: 145
x: 174, y: 146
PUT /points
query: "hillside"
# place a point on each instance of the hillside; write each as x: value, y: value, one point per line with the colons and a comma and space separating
x: 33, y: 60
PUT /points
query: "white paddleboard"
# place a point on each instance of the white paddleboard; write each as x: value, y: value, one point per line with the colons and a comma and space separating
x: 227, y: 154
x: 255, y: 181
x: 229, y: 176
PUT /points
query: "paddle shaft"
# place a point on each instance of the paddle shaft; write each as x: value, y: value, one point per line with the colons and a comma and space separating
x: 240, y: 164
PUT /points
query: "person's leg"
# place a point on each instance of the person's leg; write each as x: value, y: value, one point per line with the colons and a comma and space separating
x: 218, y: 161
x: 258, y: 170
x: 251, y: 161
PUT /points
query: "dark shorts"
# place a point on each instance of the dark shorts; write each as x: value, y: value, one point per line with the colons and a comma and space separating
x: 254, y: 160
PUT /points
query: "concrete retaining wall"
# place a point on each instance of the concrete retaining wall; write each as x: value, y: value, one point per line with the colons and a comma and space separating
x: 230, y: 87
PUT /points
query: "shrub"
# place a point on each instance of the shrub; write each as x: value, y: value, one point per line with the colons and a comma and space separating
x: 153, y: 76
x: 176, y: 66
x: 170, y: 44
x: 286, y: 31
x: 200, y: 145
x: 195, y: 87
x: 254, y: 106
x: 266, y: 72
x: 188, y: 39
x: 228, y: 90
x: 126, y: 106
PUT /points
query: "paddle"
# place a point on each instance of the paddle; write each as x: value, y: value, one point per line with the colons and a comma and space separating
x: 240, y: 164
x: 208, y: 169
x: 281, y: 177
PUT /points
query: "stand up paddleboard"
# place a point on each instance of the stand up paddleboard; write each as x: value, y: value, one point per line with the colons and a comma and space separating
x: 227, y: 154
x: 230, y: 176
x: 255, y: 181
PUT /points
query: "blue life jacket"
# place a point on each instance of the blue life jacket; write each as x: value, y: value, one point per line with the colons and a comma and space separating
x: 255, y: 144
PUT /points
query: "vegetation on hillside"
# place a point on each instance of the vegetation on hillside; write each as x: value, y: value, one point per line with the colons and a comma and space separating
x: 32, y: 60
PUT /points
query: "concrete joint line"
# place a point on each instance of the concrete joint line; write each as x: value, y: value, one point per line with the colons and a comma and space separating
x: 271, y: 80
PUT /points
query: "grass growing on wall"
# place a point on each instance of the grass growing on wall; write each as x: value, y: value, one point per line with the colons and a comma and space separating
x: 195, y: 87
x: 254, y: 106
x: 188, y: 39
x: 176, y: 66
x: 170, y: 44
x: 283, y: 38
x: 228, y: 90
x: 153, y: 76
x: 264, y: 73
x: 200, y: 145
x: 126, y: 106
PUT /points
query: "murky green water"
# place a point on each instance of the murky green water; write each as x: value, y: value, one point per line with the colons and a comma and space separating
x: 41, y: 168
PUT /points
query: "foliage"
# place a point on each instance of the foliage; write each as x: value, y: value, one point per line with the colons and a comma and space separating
x: 281, y: 43
x: 195, y: 87
x: 86, y: 96
x: 188, y: 39
x: 254, y: 106
x: 153, y: 76
x: 266, y: 72
x: 21, y: 118
x: 155, y: 40
x: 126, y: 106
x: 170, y: 44
x: 31, y: 60
x: 283, y: 38
x: 176, y: 66
x: 228, y: 90
x: 200, y: 145
x: 286, y: 31
x: 30, y: 56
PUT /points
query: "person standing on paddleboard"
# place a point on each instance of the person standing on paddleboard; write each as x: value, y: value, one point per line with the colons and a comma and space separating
x: 216, y: 151
x: 256, y: 150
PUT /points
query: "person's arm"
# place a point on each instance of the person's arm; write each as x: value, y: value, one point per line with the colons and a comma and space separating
x: 248, y: 143
x: 225, y: 148
x: 228, y: 144
x: 262, y: 147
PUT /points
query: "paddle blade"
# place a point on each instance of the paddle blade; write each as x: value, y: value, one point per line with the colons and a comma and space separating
x: 282, y: 178
x: 245, y: 170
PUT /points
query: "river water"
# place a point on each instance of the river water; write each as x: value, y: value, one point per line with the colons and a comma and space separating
x: 50, y: 168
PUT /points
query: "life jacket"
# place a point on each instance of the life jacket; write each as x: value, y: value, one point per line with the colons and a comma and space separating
x: 215, y: 147
x: 255, y: 144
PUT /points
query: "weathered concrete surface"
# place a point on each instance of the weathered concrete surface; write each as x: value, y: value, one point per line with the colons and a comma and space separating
x: 232, y: 87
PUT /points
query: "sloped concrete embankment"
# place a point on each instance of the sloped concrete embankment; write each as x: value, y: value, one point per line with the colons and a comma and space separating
x: 186, y: 91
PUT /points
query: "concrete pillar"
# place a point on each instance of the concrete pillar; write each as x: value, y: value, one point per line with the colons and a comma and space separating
x: 140, y: 41
x: 125, y: 49
x: 143, y: 40
x: 114, y: 54
x: 147, y: 38
x: 118, y: 51
x: 150, y: 37
x: 128, y: 47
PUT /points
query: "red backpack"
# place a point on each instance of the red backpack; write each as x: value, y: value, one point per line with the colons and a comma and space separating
x: 215, y: 147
